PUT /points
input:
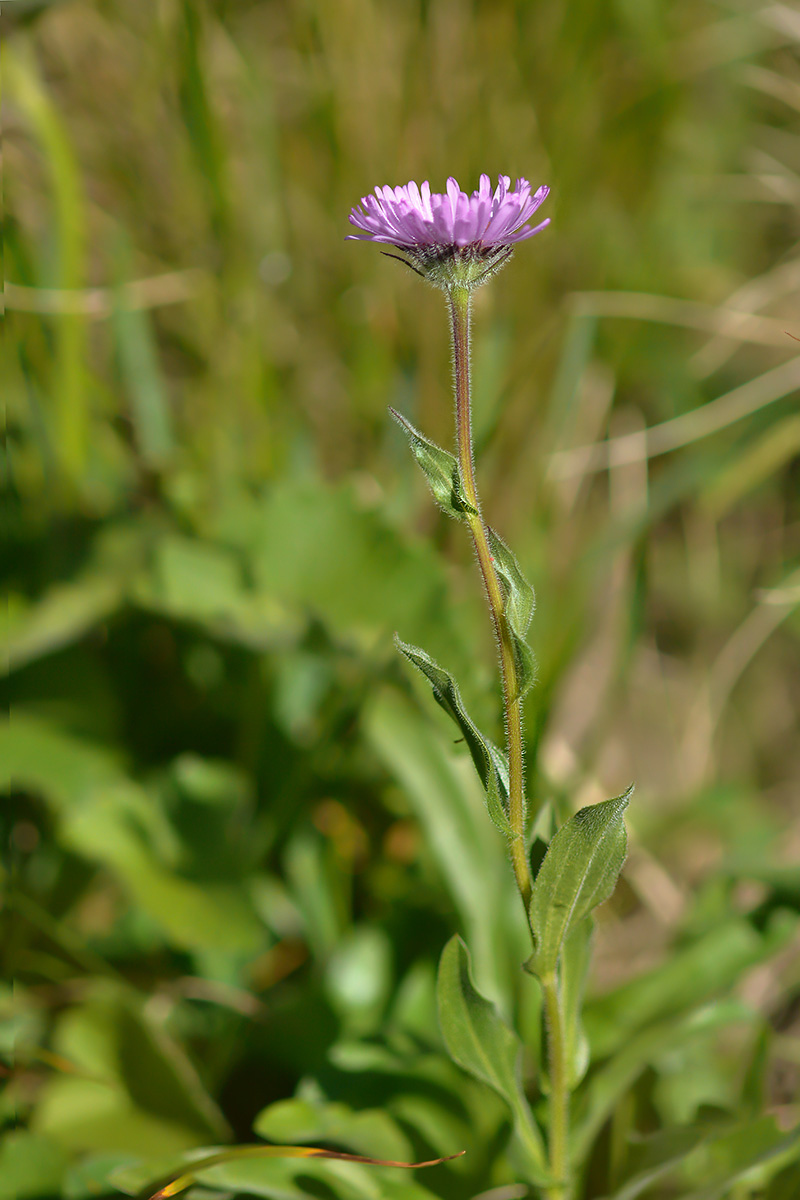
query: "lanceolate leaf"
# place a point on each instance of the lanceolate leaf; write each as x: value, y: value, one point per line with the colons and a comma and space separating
x: 480, y: 1042
x: 579, y: 871
x: 519, y: 607
x: 517, y: 592
x: 655, y: 1157
x: 489, y: 761
x: 734, y: 1155
x: 441, y: 470
x: 610, y: 1081
x: 525, y: 664
x: 575, y: 958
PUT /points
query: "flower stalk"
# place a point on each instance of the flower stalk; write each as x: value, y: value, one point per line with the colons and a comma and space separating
x: 460, y: 303
x: 456, y: 242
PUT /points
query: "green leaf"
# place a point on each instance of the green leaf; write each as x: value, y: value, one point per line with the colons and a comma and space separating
x: 89, y: 1177
x: 441, y: 471
x: 427, y: 1091
x: 785, y: 1185
x: 579, y: 872
x: 606, y: 1085
x: 655, y: 1157
x: 31, y: 1166
x: 489, y: 761
x: 127, y: 1073
x: 723, y: 1162
x: 519, y: 607
x: 369, y: 1131
x: 480, y: 1042
x: 306, y: 542
x: 692, y: 975
x: 520, y: 601
x: 109, y: 818
x: 575, y: 958
x: 446, y: 797
x: 525, y: 664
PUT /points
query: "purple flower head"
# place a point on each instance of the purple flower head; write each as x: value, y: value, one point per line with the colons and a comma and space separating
x: 451, y: 238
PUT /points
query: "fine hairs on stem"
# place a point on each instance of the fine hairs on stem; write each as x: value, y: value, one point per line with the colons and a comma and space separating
x: 457, y: 242
x: 460, y: 303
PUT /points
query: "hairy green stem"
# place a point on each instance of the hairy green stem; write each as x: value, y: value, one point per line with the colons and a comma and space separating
x: 558, y: 1129
x: 460, y: 303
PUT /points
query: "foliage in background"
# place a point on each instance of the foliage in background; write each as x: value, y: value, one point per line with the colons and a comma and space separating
x: 235, y: 843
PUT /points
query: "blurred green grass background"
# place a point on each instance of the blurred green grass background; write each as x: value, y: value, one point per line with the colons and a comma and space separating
x: 225, y: 791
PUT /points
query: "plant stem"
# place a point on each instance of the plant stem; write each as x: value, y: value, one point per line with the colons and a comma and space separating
x: 558, y: 1127
x: 460, y: 304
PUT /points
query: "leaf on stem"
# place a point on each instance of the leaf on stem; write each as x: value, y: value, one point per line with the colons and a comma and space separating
x: 441, y: 471
x: 525, y: 665
x: 481, y: 1042
x: 519, y: 605
x: 575, y: 958
x: 518, y: 594
x: 579, y: 872
x: 655, y: 1157
x: 489, y: 761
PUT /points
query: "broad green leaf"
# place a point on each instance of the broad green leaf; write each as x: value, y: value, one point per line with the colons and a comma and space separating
x: 368, y: 1131
x: 487, y: 758
x: 579, y: 872
x: 722, y: 1162
x: 654, y: 1158
x: 447, y: 799
x: 427, y: 1093
x: 785, y: 1185
x: 606, y: 1085
x: 39, y: 756
x: 64, y: 614
x: 575, y: 958
x: 481, y: 1042
x: 90, y: 1177
x: 319, y: 550
x: 195, y: 580
x: 31, y: 1166
x: 694, y: 974
x: 210, y: 914
x: 431, y: 1118
x: 70, y: 608
x: 517, y: 592
x: 128, y: 1072
x: 440, y: 469
x: 285, y: 1179
x: 358, y: 982
x: 108, y: 818
x: 696, y: 1077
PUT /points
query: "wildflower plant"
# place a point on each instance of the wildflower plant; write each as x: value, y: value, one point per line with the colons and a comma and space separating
x: 456, y: 242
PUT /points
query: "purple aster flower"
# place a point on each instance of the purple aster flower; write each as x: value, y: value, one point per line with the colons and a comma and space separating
x: 451, y: 238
